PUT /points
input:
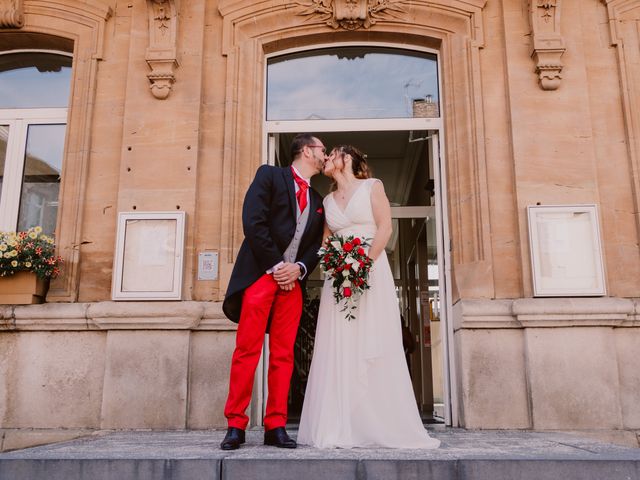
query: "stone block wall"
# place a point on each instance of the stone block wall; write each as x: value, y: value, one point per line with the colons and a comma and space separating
x: 549, y: 364
x: 64, y: 374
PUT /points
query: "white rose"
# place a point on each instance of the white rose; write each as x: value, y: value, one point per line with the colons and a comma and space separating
x: 345, y: 273
x: 346, y: 283
x: 336, y: 245
x: 355, y: 266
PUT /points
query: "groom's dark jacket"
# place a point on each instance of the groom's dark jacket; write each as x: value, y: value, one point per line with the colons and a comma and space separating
x: 269, y: 223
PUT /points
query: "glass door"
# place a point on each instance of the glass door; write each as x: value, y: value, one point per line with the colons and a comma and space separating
x: 406, y: 162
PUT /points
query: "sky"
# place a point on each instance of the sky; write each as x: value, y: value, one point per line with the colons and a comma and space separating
x: 380, y: 84
x: 29, y: 88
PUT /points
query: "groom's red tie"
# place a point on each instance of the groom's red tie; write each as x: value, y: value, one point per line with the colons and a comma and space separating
x: 301, y: 194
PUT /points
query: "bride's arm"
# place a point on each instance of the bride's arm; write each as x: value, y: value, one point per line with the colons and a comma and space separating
x: 382, y: 216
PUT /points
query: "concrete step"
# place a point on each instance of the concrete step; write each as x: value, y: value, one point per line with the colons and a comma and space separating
x: 194, y: 455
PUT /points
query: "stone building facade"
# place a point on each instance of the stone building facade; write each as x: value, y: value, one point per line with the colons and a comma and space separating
x: 539, y: 105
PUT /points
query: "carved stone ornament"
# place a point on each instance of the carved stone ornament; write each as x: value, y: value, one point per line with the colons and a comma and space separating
x: 11, y: 14
x: 161, y: 54
x: 351, y: 14
x: 548, y: 44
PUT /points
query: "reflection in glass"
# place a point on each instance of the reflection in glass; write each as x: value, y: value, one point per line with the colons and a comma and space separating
x: 34, y: 80
x: 352, y: 82
x: 41, y: 181
x: 4, y: 139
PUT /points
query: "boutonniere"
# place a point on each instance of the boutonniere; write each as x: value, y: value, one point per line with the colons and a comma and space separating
x: 319, y: 211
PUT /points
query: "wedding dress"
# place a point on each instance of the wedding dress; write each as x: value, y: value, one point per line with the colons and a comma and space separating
x: 359, y: 392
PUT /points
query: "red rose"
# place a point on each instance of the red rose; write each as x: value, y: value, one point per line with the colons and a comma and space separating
x: 361, y: 251
x: 347, y: 247
x: 347, y: 266
x: 347, y: 292
x: 356, y: 241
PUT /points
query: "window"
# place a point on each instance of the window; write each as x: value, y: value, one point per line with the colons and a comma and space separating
x: 34, y: 94
x: 362, y: 82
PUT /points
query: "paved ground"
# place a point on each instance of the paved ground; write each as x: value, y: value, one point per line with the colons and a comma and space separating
x: 193, y: 455
x: 456, y: 444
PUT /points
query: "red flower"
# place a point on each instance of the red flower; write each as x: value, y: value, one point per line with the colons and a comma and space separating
x: 347, y: 292
x: 360, y: 250
x: 347, y: 266
x: 356, y: 241
x: 347, y: 247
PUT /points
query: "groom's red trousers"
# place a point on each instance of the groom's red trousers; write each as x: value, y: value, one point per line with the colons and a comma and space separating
x: 259, y: 300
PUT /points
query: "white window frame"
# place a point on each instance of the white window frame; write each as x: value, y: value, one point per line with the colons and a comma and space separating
x: 19, y: 121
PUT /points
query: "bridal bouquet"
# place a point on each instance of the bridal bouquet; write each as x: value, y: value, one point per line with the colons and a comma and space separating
x: 345, y: 261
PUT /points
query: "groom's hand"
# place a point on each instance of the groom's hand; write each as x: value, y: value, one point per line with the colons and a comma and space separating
x: 287, y: 274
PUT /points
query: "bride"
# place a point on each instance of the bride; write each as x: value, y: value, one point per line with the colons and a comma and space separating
x: 359, y: 393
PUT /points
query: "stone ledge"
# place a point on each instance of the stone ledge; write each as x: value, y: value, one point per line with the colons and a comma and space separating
x: 546, y: 312
x: 115, y: 316
x: 56, y: 316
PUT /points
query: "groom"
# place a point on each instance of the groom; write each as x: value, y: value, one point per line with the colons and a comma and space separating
x: 283, y: 220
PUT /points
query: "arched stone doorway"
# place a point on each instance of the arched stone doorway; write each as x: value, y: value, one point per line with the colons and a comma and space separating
x: 454, y: 29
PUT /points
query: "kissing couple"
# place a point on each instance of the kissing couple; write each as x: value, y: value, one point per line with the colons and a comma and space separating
x: 359, y: 392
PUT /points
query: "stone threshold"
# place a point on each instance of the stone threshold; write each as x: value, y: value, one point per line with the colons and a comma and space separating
x: 194, y: 455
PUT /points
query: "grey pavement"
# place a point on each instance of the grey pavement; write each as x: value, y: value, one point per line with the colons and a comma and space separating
x: 195, y: 455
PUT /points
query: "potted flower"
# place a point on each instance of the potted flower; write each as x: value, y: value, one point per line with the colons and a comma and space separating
x: 27, y: 263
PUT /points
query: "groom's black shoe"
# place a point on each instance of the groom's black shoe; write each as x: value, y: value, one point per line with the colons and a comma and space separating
x: 278, y: 438
x: 233, y: 439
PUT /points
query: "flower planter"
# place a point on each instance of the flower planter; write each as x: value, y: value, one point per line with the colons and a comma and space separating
x: 22, y: 288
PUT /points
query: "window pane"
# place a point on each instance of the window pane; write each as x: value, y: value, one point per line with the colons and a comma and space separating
x: 4, y: 139
x: 34, y: 80
x: 352, y: 82
x: 41, y: 182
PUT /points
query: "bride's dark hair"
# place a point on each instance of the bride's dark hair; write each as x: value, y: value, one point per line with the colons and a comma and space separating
x: 358, y: 162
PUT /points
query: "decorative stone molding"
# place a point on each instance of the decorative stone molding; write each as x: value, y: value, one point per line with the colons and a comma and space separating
x: 548, y: 44
x: 115, y: 316
x: 52, y: 316
x: 161, y: 55
x: 546, y: 313
x: 351, y: 14
x: 624, y: 18
x: 82, y: 24
x: 11, y: 14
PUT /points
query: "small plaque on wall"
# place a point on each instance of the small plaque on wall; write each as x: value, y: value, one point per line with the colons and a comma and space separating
x: 208, y: 266
x: 566, y: 251
x: 149, y: 256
